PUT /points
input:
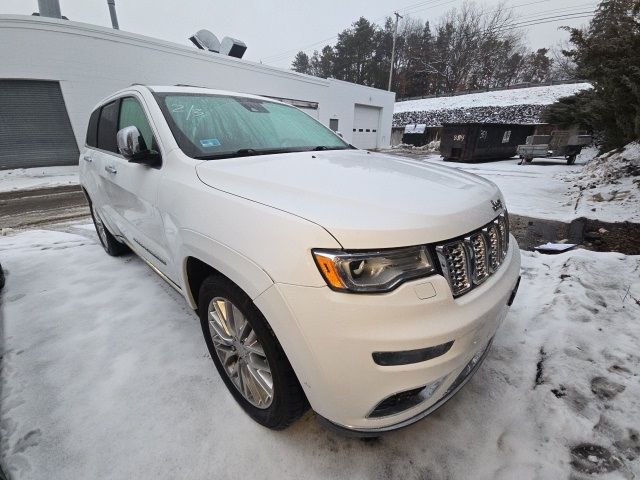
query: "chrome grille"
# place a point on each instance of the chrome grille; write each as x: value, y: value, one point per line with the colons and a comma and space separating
x: 454, y: 259
x: 469, y: 261
x: 478, y: 246
x: 494, y: 251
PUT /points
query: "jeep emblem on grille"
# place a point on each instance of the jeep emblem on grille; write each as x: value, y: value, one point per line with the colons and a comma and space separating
x: 496, y: 204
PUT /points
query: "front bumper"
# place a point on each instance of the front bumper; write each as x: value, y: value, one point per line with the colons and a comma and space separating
x: 463, y: 377
x: 329, y: 338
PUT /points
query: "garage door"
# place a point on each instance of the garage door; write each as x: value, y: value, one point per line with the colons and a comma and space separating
x: 366, y: 121
x: 35, y: 130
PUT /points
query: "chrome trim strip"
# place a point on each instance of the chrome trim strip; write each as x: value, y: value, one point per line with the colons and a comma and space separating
x: 150, y: 252
x: 151, y: 265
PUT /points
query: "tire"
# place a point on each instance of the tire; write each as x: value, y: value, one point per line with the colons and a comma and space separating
x: 255, y: 349
x: 528, y: 159
x: 571, y: 159
x: 110, y: 244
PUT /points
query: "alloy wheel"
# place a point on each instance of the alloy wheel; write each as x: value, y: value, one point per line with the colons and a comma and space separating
x: 240, y: 352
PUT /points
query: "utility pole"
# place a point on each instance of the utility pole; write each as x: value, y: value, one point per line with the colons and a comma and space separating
x: 393, y: 49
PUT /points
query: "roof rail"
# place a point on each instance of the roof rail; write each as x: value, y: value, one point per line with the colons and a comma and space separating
x: 187, y: 85
x: 142, y: 85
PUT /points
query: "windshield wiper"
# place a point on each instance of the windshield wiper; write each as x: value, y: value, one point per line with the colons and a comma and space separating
x: 243, y: 152
x: 324, y: 147
x: 248, y: 152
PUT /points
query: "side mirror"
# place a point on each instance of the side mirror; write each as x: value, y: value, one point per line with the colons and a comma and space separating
x: 340, y: 134
x: 132, y: 146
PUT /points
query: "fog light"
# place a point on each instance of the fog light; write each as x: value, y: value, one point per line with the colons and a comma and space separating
x: 399, y: 402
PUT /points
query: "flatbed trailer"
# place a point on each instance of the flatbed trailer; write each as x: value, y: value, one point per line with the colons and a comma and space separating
x: 559, y: 144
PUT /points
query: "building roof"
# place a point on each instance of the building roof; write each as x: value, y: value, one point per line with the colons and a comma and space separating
x: 543, y: 95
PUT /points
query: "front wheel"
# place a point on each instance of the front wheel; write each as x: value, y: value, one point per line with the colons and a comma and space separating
x: 571, y: 159
x: 248, y: 356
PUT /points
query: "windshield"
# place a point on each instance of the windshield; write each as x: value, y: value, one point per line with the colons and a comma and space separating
x: 210, y: 126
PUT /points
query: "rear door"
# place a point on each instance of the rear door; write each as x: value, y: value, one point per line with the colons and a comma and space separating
x: 132, y: 188
x: 90, y: 175
x: 101, y: 157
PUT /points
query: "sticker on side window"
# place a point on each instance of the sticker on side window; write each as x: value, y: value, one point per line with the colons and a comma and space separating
x: 210, y: 142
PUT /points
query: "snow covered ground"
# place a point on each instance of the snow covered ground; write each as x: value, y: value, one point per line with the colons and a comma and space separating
x: 550, y: 189
x: 41, y: 177
x: 105, y: 375
x: 545, y: 95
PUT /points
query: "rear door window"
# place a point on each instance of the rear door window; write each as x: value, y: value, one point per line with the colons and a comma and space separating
x: 107, y: 127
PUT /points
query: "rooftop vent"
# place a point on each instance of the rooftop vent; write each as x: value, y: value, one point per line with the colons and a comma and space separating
x: 232, y: 47
x: 205, y: 40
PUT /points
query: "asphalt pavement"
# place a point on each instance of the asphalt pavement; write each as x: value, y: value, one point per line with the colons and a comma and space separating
x: 25, y: 208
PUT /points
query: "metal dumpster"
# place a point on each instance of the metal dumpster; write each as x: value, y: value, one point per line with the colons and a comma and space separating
x: 419, y: 134
x: 472, y: 142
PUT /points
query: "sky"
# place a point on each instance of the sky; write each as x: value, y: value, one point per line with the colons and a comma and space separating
x: 274, y: 30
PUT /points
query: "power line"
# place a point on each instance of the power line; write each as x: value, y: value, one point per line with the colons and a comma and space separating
x: 279, y: 56
x: 565, y: 11
x: 526, y: 23
x: 591, y: 4
x: 549, y: 21
x: 528, y: 20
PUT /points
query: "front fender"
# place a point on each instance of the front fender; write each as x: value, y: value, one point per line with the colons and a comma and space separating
x: 238, y: 268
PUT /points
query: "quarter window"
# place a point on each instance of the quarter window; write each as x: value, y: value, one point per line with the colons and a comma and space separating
x: 92, y: 129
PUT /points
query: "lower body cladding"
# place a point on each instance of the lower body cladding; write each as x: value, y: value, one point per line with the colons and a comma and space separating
x: 374, y: 363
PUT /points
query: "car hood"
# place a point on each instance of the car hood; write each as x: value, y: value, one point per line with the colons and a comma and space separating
x: 364, y: 199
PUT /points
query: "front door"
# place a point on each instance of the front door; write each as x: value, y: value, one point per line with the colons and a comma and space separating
x: 132, y: 189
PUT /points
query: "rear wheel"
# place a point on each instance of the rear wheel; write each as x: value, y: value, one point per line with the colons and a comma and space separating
x: 248, y: 356
x: 110, y: 244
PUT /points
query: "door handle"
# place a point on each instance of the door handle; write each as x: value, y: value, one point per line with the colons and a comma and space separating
x: 87, y: 158
x: 110, y: 169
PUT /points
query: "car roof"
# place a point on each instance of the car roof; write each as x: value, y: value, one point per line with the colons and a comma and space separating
x: 201, y: 90
x: 181, y: 89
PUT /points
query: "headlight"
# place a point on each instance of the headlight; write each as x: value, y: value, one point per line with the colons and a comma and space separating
x: 377, y: 271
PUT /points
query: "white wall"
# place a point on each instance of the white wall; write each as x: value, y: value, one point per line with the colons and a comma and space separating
x: 92, y: 62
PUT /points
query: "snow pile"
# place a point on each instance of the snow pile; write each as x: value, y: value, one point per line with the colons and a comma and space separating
x: 614, y: 179
x: 545, y: 95
x: 38, y: 177
x: 612, y: 167
x: 105, y: 375
x: 432, y: 146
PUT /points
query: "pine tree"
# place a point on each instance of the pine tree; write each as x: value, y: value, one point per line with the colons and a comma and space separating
x: 301, y: 63
x: 607, y: 53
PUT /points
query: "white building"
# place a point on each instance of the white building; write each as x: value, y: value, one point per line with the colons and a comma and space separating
x: 53, y: 72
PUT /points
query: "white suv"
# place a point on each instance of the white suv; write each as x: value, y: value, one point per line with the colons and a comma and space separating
x: 368, y: 286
